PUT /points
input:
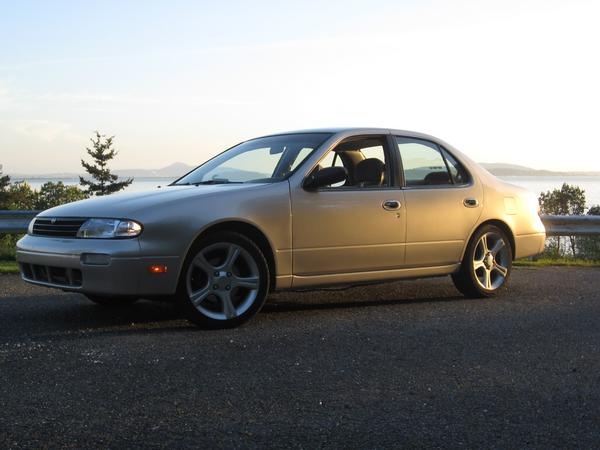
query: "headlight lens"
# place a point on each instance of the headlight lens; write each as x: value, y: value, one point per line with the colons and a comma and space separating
x: 109, y: 228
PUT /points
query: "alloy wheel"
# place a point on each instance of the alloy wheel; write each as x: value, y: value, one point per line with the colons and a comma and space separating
x: 491, y: 261
x: 223, y: 281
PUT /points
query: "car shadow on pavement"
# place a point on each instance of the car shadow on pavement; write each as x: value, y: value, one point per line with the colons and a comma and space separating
x: 72, y: 313
x: 69, y: 315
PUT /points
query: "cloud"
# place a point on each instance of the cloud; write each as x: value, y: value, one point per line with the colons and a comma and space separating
x: 80, y: 97
x: 45, y: 130
x: 49, y: 62
x: 87, y: 98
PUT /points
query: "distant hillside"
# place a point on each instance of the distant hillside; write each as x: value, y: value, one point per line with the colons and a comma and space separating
x: 172, y: 171
x: 508, y: 170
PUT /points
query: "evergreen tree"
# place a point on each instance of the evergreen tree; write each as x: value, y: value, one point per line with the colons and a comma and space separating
x: 103, y: 182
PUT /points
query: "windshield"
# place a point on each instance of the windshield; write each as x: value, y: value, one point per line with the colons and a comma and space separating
x: 263, y: 160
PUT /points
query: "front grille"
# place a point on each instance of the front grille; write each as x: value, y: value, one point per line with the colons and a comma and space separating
x: 57, y: 226
x: 59, y: 276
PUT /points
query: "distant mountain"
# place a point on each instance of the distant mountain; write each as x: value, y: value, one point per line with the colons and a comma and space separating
x: 174, y: 170
x: 508, y: 170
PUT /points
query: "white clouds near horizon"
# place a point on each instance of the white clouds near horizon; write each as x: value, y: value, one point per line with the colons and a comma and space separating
x: 512, y: 81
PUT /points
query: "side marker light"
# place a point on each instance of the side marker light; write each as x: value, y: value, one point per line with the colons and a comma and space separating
x: 157, y: 269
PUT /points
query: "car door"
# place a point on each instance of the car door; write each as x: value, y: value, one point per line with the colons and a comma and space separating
x: 353, y: 226
x: 442, y: 201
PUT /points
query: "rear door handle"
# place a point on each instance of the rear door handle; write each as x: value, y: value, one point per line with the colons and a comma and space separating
x: 471, y: 202
x: 391, y: 205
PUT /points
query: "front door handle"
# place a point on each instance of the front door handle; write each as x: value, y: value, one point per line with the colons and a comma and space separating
x: 471, y: 202
x: 391, y: 205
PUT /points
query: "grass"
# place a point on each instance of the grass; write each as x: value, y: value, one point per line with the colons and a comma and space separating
x: 557, y: 262
x: 9, y: 267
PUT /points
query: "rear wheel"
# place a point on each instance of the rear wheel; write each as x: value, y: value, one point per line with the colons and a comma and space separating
x: 112, y: 302
x: 224, y: 282
x: 486, y: 265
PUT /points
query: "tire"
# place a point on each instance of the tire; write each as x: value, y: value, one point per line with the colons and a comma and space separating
x: 224, y: 281
x: 486, y: 265
x: 112, y: 302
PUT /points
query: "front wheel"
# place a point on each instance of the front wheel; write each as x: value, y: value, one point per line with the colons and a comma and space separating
x: 486, y: 265
x: 224, y: 281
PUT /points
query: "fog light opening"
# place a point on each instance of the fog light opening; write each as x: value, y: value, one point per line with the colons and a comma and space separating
x: 95, y: 259
x: 157, y: 268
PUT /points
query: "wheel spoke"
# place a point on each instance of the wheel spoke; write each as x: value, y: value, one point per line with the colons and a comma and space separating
x: 497, y: 247
x: 228, y: 308
x: 484, y: 244
x: 248, y: 282
x: 199, y: 296
x: 477, y: 264
x: 500, y: 269
x: 232, y: 254
x: 201, y: 262
x: 488, y: 278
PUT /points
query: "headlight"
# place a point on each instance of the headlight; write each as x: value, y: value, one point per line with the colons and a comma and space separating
x: 109, y: 228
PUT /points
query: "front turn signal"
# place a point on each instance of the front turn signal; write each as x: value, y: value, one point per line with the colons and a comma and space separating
x: 157, y: 269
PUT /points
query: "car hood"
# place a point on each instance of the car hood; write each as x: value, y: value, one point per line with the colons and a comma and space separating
x: 129, y: 205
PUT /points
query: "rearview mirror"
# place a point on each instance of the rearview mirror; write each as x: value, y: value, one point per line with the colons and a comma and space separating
x: 325, y: 177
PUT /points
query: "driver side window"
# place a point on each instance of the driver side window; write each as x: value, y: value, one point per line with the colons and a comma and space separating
x: 365, y: 161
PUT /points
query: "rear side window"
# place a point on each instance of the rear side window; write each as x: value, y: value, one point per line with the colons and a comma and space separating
x: 457, y: 171
x: 425, y: 164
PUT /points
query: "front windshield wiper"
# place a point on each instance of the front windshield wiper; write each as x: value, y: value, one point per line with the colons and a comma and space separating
x: 216, y: 181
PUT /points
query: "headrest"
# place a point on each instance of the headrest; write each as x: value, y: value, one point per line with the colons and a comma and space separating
x: 370, y: 172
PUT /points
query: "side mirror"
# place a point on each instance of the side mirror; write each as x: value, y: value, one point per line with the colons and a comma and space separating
x: 325, y: 177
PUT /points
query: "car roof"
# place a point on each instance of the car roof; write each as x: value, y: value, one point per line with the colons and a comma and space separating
x: 349, y: 131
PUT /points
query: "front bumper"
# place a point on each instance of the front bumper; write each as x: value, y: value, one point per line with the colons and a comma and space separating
x: 95, y: 266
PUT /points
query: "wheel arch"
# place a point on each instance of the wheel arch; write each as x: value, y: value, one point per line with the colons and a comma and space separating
x: 248, y: 230
x: 503, y: 226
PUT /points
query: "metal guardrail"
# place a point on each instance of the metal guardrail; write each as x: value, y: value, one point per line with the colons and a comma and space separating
x: 571, y: 225
x: 17, y: 222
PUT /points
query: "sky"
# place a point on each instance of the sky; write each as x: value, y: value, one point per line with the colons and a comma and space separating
x: 503, y: 81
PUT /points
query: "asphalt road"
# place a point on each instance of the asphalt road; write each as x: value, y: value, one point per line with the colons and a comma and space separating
x: 409, y: 364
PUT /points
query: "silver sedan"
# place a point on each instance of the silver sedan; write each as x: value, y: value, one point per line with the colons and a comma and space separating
x: 292, y: 210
